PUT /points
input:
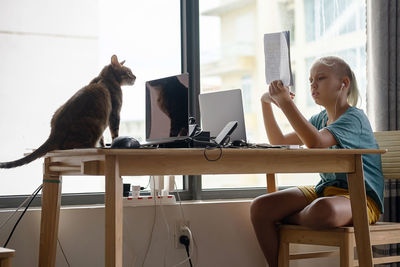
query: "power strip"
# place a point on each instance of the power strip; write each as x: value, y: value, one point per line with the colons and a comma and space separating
x: 149, y: 201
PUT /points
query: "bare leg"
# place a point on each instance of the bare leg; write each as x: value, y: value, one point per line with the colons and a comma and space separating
x: 269, y: 209
x: 324, y: 212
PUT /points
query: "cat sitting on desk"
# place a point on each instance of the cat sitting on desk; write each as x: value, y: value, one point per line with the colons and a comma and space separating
x: 81, y: 121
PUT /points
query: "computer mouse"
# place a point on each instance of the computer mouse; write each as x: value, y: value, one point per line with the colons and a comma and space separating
x: 125, y: 142
x: 239, y: 143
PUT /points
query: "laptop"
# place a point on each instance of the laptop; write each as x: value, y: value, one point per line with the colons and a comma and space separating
x: 167, y: 113
x: 217, y: 109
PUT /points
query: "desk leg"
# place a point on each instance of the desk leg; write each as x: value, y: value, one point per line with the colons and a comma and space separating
x: 5, y: 262
x: 271, y: 183
x: 359, y: 210
x: 114, y: 213
x: 51, y: 201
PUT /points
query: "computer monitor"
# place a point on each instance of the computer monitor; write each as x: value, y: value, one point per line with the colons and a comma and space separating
x: 167, y: 114
x: 219, y: 108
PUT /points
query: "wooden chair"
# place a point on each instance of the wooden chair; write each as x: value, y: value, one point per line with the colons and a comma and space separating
x: 343, y: 237
x: 5, y: 257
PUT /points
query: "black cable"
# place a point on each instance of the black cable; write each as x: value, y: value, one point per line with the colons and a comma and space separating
x: 183, y: 239
x: 192, y: 120
x: 226, y: 141
x: 210, y: 148
x: 197, y: 131
x: 207, y: 143
x: 144, y: 187
x: 20, y: 217
x: 187, y: 252
x: 62, y: 250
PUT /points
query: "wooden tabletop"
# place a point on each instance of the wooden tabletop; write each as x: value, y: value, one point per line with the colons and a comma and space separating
x: 179, y: 151
x: 194, y: 161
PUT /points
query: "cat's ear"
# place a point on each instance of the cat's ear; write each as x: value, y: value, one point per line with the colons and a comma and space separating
x: 122, y: 62
x: 114, y: 61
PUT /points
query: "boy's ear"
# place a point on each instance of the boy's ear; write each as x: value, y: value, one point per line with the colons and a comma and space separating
x: 345, y: 83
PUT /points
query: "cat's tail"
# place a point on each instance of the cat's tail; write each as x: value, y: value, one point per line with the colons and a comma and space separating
x: 41, y: 151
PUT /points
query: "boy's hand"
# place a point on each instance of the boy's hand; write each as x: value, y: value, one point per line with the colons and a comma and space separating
x: 279, y: 93
x: 266, y: 98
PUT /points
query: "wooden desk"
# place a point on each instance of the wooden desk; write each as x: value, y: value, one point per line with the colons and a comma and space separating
x: 113, y: 163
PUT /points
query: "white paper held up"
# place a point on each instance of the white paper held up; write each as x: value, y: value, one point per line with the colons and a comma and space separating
x: 277, y: 57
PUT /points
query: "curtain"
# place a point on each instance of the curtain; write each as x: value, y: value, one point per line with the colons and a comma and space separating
x: 383, y: 94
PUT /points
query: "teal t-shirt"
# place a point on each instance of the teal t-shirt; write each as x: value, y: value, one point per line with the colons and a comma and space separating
x: 352, y: 130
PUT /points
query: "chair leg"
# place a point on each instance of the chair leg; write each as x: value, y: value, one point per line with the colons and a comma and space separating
x: 283, y: 258
x: 347, y: 252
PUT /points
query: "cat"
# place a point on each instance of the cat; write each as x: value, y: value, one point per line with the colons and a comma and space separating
x: 81, y: 121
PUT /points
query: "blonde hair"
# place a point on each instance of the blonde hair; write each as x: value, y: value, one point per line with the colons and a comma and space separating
x: 342, y: 69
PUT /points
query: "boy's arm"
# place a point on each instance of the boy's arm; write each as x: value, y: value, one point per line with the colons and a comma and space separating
x: 274, y: 133
x: 305, y: 131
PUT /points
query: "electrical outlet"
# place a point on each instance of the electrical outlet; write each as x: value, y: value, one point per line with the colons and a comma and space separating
x: 179, y: 230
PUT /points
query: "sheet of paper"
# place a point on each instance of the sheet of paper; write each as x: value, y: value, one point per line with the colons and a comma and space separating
x: 277, y: 57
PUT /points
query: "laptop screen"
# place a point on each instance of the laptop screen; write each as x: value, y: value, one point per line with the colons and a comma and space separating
x: 219, y: 108
x: 167, y: 108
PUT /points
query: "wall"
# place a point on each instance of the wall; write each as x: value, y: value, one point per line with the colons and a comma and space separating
x: 222, y: 232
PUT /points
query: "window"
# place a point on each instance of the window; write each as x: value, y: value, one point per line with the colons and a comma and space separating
x: 232, y: 56
x: 50, y: 50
